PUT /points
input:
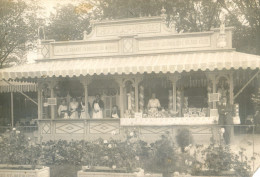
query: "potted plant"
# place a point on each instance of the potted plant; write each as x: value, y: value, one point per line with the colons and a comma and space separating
x: 20, y: 156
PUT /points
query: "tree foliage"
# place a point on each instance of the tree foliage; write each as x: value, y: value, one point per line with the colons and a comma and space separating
x: 189, y: 16
x: 68, y: 23
x: 245, y: 17
x: 17, y: 31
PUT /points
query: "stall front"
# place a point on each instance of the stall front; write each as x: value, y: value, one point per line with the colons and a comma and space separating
x: 134, y: 75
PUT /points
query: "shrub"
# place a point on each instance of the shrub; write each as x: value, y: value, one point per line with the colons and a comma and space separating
x: 184, y: 138
x: 16, y: 149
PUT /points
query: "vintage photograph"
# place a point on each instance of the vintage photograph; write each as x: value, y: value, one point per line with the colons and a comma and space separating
x: 129, y: 88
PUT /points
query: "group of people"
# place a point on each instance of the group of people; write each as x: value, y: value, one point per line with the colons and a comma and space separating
x: 77, y: 110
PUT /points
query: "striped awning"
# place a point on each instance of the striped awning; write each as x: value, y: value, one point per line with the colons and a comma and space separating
x: 14, y: 86
x: 164, y: 63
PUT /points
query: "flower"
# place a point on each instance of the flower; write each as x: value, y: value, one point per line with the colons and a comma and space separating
x: 14, y: 129
x: 176, y: 173
x: 109, y: 146
x: 105, y: 141
x: 113, y: 132
x: 222, y: 130
x: 114, y: 166
x: 187, y: 148
x: 131, y: 133
x: 18, y: 132
x: 29, y: 138
x: 137, y: 157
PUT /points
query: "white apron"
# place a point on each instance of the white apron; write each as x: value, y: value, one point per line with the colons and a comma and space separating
x: 97, y: 113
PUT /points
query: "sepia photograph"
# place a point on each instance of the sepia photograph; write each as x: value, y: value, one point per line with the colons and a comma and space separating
x: 129, y: 88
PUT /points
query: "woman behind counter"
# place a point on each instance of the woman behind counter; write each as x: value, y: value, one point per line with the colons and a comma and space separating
x: 98, y: 106
x: 63, y: 110
x: 73, y: 107
x: 115, y: 112
x: 153, y: 104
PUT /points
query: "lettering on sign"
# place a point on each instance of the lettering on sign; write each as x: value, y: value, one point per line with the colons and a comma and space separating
x: 87, y: 48
x: 173, y: 43
x: 128, y: 29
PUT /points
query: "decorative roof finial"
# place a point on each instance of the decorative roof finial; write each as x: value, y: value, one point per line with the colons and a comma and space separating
x: 222, y: 25
x: 85, y: 34
x: 222, y: 41
x: 163, y: 14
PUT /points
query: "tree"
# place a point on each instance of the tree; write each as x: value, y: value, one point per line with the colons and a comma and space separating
x: 245, y: 17
x: 188, y: 16
x: 197, y: 15
x: 68, y: 23
x: 17, y: 31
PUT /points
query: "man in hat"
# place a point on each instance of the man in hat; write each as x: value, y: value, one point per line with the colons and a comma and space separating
x: 225, y: 112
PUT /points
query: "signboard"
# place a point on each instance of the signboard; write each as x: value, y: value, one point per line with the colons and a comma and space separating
x: 52, y: 101
x: 213, y: 113
x: 86, y: 48
x: 213, y: 97
x: 128, y: 29
x: 173, y: 43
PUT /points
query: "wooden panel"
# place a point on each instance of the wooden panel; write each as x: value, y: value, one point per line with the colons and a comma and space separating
x: 46, y: 128
x: 70, y: 128
x: 103, y: 128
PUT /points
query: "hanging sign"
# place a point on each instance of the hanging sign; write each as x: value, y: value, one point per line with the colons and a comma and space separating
x: 52, y: 101
x: 213, y: 97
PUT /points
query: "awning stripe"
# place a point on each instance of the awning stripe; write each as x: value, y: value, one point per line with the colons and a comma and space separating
x: 17, y: 86
x: 165, y: 63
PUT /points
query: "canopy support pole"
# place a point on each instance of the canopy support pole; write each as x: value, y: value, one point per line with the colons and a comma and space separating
x: 243, y: 88
x: 12, y: 109
x: 22, y: 92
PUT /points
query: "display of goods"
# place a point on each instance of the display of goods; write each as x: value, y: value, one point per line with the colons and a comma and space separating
x: 141, y: 98
x: 170, y: 100
x: 132, y: 100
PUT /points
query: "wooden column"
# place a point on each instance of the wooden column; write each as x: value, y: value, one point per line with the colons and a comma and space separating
x: 121, y: 100
x: 39, y: 96
x: 52, y: 85
x: 231, y: 89
x: 12, y: 109
x: 214, y: 88
x: 174, y: 79
x: 137, y: 81
x: 121, y: 87
x: 212, y: 78
x: 174, y: 95
x: 85, y: 82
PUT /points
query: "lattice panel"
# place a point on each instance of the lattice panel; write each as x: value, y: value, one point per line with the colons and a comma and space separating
x: 128, y: 45
x: 155, y: 130
x: 103, y: 128
x: 45, y: 51
x: 69, y: 128
x: 46, y: 128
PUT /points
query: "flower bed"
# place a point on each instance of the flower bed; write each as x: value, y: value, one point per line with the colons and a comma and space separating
x: 123, y: 157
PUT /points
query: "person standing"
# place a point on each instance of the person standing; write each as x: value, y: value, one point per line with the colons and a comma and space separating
x: 74, y: 105
x: 63, y: 110
x: 82, y: 109
x: 115, y: 112
x: 225, y: 112
x: 97, y: 107
x: 153, y: 104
